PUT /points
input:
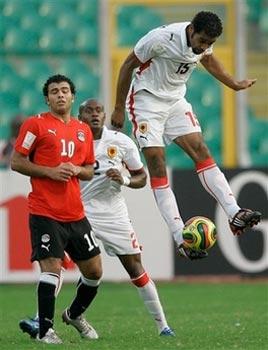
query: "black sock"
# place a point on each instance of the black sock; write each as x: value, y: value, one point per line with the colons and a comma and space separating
x: 46, y: 306
x: 84, y: 296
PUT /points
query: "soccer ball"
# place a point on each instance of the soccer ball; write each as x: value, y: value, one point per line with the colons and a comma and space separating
x: 199, y: 233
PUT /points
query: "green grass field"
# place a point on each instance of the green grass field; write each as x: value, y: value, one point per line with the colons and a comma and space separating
x: 204, y: 316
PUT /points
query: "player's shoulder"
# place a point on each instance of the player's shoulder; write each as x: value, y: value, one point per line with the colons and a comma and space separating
x: 178, y: 25
x: 170, y: 35
x: 119, y: 138
x: 79, y: 124
x: 177, y: 30
x: 118, y: 135
x: 172, y: 27
x: 35, y: 119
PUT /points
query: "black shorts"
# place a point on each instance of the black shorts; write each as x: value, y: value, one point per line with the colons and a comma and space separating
x: 50, y: 238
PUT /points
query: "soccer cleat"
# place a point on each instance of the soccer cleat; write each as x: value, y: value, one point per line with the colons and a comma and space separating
x: 49, y: 338
x: 81, y: 324
x: 167, y: 332
x: 192, y: 254
x: 244, y: 218
x: 30, y: 326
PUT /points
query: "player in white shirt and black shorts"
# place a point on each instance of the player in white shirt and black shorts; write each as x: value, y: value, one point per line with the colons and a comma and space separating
x: 163, y: 61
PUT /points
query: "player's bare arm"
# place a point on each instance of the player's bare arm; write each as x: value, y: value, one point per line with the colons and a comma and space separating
x: 85, y: 172
x: 214, y: 67
x: 23, y: 165
x: 137, y: 177
x: 124, y: 80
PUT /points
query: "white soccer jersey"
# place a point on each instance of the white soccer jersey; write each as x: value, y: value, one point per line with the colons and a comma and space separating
x: 167, y: 61
x: 102, y: 196
x: 104, y: 204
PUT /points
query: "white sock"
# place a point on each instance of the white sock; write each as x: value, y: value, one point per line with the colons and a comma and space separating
x: 215, y: 183
x: 151, y: 300
x: 167, y: 204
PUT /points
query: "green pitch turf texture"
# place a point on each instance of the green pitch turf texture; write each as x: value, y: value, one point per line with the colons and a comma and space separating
x: 204, y: 316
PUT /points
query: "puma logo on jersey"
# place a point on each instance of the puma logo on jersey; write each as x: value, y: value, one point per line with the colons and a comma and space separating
x: 52, y: 131
x: 143, y: 137
x: 45, y: 247
x: 171, y: 37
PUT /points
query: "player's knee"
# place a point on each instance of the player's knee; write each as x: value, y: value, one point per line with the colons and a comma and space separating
x: 95, y: 271
x: 91, y: 268
x: 200, y: 151
x: 155, y: 159
x: 51, y: 265
x: 135, y: 270
x: 94, y: 274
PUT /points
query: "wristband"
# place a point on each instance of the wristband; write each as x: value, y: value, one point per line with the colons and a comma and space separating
x: 126, y: 180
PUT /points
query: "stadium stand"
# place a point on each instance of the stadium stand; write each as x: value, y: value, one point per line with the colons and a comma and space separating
x: 44, y: 38
x: 35, y: 42
x: 134, y: 22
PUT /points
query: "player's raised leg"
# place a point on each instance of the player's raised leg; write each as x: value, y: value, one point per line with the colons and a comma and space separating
x: 215, y: 183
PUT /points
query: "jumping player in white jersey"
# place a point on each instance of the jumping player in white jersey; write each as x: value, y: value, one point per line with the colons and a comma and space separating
x: 106, y: 208
x: 164, y: 60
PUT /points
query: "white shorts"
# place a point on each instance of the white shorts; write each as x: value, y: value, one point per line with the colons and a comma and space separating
x: 157, y: 121
x: 117, y: 239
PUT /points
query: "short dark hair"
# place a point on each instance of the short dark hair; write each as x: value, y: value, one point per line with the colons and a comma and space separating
x: 84, y: 103
x: 208, y: 22
x: 58, y: 78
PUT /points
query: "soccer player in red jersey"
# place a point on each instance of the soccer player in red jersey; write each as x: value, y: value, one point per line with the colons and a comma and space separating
x: 56, y: 150
x: 107, y: 211
x: 163, y: 61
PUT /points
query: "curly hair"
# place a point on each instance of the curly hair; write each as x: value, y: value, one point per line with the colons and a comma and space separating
x: 58, y: 78
x: 208, y: 22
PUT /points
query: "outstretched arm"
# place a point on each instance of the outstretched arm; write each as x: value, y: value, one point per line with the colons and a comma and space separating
x: 123, y: 84
x: 214, y: 67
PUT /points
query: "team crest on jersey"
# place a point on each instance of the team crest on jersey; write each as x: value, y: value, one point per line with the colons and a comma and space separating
x: 81, y: 135
x: 112, y: 151
x: 143, y: 128
x: 45, y: 238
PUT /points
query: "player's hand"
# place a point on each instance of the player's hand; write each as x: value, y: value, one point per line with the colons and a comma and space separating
x: 244, y: 84
x: 74, y: 168
x: 115, y: 175
x: 64, y: 172
x: 118, y: 118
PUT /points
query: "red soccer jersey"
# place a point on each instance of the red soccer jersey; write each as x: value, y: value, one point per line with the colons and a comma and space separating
x: 49, y: 141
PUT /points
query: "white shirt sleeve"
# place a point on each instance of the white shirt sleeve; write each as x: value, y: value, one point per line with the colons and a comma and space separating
x: 149, y: 46
x: 132, y: 157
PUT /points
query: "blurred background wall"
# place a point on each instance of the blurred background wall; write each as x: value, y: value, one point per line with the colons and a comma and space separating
x: 87, y: 40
